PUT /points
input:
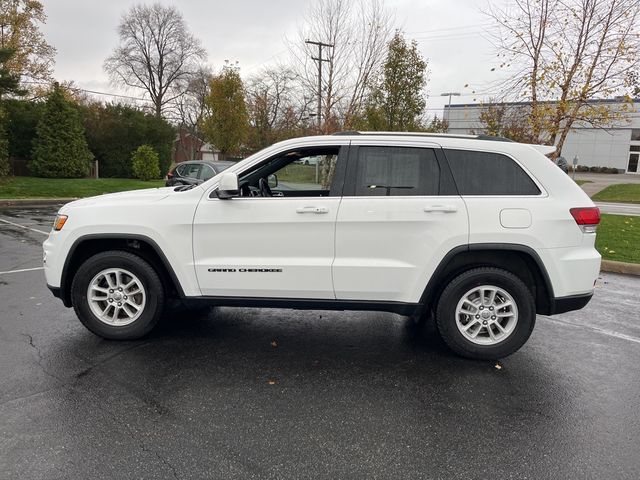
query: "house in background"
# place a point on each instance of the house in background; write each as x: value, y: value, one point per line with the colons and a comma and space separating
x: 189, y: 147
x: 617, y: 146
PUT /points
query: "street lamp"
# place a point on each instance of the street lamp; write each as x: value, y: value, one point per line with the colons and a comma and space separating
x: 449, y: 94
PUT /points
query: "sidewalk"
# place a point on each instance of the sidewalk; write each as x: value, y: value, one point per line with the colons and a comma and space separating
x: 600, y: 181
x: 632, y: 209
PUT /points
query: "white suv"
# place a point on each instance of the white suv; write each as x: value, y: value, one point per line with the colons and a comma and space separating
x: 478, y: 232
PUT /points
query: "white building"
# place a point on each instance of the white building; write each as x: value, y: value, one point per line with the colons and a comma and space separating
x: 617, y: 146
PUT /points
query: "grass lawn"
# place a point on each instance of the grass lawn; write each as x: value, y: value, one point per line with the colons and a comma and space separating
x: 32, y: 187
x: 298, y: 173
x: 618, y: 238
x: 582, y: 182
x: 625, y: 192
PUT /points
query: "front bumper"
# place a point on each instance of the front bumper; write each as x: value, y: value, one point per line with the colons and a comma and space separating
x: 57, y: 292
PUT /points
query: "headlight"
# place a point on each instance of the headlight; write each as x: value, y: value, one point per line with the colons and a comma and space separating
x: 59, y: 222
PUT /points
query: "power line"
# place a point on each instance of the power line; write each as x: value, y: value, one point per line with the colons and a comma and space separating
x: 111, y: 94
x: 456, y: 36
x: 95, y: 92
x: 461, y: 27
x: 256, y: 65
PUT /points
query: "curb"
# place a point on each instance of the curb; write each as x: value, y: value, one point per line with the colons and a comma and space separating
x: 612, y: 266
x: 33, y: 202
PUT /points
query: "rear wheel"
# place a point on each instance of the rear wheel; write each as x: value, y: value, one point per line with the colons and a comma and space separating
x: 117, y: 295
x: 486, y: 313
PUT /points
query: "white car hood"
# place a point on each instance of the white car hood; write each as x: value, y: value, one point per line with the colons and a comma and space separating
x: 132, y: 197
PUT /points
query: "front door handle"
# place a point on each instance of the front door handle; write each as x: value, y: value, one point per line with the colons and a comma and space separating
x: 312, y: 210
x: 441, y: 208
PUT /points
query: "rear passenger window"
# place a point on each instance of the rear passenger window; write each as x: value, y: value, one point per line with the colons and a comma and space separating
x: 484, y: 173
x: 395, y: 171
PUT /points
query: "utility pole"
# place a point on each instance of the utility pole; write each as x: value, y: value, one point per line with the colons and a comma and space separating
x: 319, y: 59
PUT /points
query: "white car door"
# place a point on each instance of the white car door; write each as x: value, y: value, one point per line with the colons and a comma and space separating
x: 279, y: 246
x: 399, y: 216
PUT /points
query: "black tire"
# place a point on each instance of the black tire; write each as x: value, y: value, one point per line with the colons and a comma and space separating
x: 155, y: 295
x: 459, y: 286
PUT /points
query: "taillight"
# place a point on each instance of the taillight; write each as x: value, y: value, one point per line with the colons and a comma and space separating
x: 587, y: 218
x: 169, y: 176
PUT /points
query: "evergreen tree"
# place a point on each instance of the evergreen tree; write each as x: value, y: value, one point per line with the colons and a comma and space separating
x: 398, y: 102
x: 60, y: 148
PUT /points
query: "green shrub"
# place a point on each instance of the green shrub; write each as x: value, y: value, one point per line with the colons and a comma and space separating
x: 114, y: 131
x: 4, y: 149
x: 21, y: 123
x: 4, y: 157
x: 145, y: 163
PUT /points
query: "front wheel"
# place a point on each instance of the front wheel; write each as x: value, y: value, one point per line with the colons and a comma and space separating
x: 486, y: 313
x: 117, y: 295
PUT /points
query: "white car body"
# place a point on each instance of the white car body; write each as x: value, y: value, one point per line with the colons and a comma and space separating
x: 379, y: 250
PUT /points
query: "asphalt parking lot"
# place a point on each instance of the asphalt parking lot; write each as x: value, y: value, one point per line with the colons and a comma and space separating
x: 239, y: 393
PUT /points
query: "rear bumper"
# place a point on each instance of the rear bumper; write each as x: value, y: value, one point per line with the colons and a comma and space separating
x: 570, y: 303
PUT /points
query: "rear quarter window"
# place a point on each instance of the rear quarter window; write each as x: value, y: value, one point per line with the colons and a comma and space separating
x: 486, y: 173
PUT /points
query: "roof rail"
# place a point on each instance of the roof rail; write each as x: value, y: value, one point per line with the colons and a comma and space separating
x: 494, y: 139
x: 426, y: 134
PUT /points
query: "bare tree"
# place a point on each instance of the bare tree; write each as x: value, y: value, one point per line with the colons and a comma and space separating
x: 188, y: 110
x: 359, y: 32
x: 564, y: 54
x: 276, y: 106
x: 156, y: 53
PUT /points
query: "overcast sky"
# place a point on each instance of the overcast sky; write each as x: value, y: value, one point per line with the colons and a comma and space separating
x: 252, y: 32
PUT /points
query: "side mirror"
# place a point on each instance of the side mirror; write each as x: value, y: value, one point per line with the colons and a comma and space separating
x: 272, y: 180
x: 228, y: 187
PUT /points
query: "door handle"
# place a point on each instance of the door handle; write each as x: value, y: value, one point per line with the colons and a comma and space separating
x: 441, y: 208
x: 312, y: 210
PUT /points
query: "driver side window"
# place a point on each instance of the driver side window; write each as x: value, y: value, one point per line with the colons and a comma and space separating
x: 297, y: 173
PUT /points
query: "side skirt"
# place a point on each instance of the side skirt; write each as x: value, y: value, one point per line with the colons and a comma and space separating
x: 400, y: 308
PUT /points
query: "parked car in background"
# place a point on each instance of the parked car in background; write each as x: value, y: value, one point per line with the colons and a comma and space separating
x: 195, y: 172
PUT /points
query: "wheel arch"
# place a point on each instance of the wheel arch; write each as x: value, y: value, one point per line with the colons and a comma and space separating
x: 521, y: 260
x: 141, y: 245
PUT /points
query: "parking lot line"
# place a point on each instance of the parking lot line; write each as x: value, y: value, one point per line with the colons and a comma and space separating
x: 603, y: 331
x: 22, y: 270
x: 24, y: 226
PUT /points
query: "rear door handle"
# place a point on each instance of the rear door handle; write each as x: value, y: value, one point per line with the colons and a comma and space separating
x: 317, y: 210
x: 441, y: 208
